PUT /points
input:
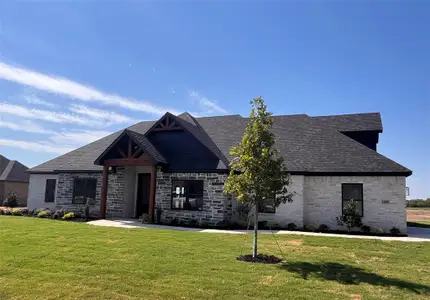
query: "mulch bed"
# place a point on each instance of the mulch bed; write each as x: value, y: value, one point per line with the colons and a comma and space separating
x: 260, y: 258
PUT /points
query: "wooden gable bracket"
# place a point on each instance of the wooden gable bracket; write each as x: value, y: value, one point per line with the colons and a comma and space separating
x: 166, y: 124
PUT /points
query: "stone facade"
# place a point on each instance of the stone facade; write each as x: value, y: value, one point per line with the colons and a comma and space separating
x: 217, y: 207
x: 115, y: 197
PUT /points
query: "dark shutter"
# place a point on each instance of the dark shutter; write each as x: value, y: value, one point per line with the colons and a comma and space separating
x: 50, y: 190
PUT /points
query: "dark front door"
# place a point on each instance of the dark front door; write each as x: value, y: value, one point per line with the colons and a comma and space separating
x: 143, y: 186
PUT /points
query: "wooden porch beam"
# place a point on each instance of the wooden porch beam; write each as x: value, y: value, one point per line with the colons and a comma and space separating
x: 128, y: 162
x: 152, y: 193
x: 129, y: 148
x: 104, y: 192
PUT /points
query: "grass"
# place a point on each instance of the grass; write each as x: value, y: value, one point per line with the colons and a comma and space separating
x: 418, y: 216
x: 48, y: 259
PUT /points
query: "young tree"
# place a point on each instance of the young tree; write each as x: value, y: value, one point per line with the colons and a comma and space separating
x: 350, y: 216
x: 258, y: 175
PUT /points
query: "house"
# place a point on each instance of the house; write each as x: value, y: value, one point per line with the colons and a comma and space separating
x: 13, y: 178
x: 178, y: 164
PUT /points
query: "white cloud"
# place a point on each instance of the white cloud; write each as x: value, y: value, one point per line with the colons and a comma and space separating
x: 78, y: 91
x: 24, y: 125
x: 77, y: 138
x: 35, y: 146
x: 50, y: 116
x: 32, y: 99
x: 109, y: 117
x: 210, y: 106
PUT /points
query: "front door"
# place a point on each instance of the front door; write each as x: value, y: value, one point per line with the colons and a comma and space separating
x: 142, y: 198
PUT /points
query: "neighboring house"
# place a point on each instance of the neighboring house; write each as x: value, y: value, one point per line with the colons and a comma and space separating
x: 13, y: 178
x: 179, y: 164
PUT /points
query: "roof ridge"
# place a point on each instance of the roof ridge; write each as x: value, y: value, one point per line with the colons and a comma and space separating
x: 349, y: 114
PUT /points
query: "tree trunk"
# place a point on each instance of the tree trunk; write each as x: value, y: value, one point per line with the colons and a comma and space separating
x: 254, y: 249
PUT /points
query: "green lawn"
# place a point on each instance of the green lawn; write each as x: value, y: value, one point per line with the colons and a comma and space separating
x: 47, y: 259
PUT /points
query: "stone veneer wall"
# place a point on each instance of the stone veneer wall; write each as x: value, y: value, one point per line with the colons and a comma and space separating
x: 115, y: 197
x: 217, y: 207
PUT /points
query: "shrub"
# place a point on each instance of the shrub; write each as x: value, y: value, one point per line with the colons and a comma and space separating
x: 350, y: 217
x: 11, y: 200
x: 291, y: 226
x: 322, y: 228
x: 16, y: 211
x: 274, y: 226
x: 309, y: 227
x: 1, y: 212
x: 204, y: 224
x: 365, y: 228
x: 395, y: 231
x: 7, y: 212
x: 193, y: 223
x: 174, y: 222
x: 68, y: 216
x: 43, y: 214
x: 58, y: 214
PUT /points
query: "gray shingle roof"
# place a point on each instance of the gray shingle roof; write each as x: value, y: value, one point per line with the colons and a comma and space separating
x: 351, y: 122
x: 308, y: 144
x: 12, y: 170
x: 147, y: 146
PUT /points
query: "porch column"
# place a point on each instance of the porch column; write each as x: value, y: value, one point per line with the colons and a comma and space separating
x: 152, y: 192
x: 103, y: 199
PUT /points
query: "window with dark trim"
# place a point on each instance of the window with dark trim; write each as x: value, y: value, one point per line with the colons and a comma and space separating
x: 83, y: 190
x: 268, y: 208
x: 187, y: 194
x: 50, y: 190
x: 353, y: 191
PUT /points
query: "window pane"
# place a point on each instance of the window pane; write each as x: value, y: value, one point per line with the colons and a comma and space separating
x: 187, y: 194
x: 195, y: 187
x: 91, y: 185
x: 352, y: 191
x: 79, y: 191
x: 50, y: 190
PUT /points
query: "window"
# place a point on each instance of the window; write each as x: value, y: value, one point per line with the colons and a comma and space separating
x: 187, y: 194
x: 353, y: 191
x: 268, y: 209
x: 84, y: 189
x: 50, y: 190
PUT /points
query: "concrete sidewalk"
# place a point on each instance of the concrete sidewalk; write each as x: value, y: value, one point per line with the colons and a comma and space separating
x: 416, y: 236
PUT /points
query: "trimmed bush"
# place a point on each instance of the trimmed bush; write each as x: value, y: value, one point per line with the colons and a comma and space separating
x: 291, y: 226
x: 174, y: 222
x: 322, y: 228
x: 43, y: 214
x: 7, y: 212
x: 16, y: 211
x: 395, y: 231
x: 193, y: 223
x: 68, y: 216
x: 365, y: 229
x: 204, y: 224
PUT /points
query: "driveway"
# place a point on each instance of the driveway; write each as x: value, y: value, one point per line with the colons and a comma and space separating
x: 419, y: 232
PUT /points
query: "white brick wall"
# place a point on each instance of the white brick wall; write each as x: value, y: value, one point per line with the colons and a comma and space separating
x: 289, y: 212
x: 36, y: 191
x: 323, y: 200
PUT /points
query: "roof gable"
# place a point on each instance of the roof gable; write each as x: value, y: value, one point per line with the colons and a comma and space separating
x: 14, y: 171
x: 130, y: 144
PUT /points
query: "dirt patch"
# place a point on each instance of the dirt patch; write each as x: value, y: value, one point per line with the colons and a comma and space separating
x: 416, y: 215
x: 355, y: 297
x: 267, y: 280
x: 295, y: 242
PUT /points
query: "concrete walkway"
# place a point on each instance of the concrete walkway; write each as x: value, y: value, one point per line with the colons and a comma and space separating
x: 420, y: 235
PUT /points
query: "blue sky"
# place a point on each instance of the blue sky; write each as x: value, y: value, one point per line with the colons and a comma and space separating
x: 71, y: 72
